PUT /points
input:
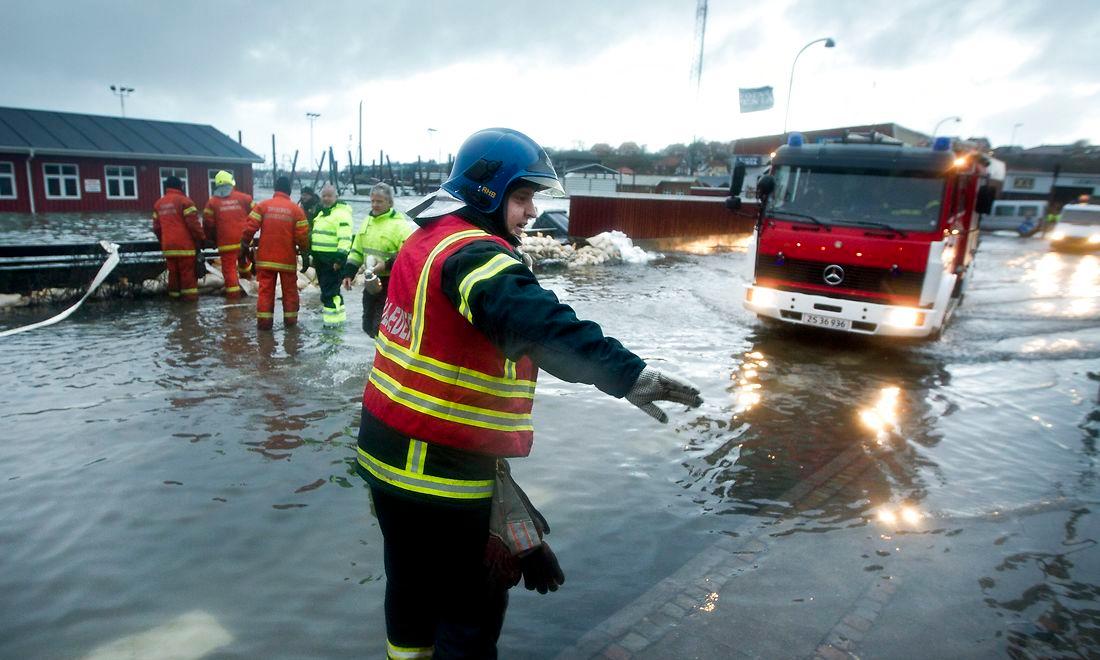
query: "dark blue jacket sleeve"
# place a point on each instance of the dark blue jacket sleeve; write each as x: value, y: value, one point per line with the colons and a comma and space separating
x: 522, y: 318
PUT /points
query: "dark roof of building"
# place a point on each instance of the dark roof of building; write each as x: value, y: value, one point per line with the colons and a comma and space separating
x: 1080, y: 159
x: 71, y: 134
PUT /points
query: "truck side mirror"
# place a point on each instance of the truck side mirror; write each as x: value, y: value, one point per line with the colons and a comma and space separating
x: 984, y: 203
x: 765, y: 186
x: 738, y: 180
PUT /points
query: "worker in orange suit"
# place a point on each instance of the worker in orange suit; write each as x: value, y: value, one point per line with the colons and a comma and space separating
x: 282, y: 225
x: 224, y: 220
x: 176, y: 224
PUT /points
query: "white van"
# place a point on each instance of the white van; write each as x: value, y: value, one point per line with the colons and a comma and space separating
x: 1078, y: 227
x: 1011, y: 214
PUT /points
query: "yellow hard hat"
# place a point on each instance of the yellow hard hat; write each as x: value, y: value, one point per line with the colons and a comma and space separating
x: 224, y: 178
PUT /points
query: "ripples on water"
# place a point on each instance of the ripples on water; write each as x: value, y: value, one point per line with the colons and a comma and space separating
x: 166, y: 459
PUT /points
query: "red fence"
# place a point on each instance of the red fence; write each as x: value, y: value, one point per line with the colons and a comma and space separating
x: 656, y: 216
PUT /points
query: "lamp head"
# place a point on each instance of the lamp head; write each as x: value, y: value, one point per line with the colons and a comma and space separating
x: 829, y: 43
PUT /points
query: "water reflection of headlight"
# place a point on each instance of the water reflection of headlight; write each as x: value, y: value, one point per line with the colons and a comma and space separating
x: 1094, y: 239
x: 904, y: 317
x: 883, y: 417
x: 1058, y: 235
x: 907, y: 515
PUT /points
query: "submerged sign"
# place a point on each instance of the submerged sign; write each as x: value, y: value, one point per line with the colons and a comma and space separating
x: 756, y: 99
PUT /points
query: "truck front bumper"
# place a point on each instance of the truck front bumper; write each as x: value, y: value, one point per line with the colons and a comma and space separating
x: 840, y: 314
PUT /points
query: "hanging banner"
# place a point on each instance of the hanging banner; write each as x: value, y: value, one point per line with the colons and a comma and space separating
x: 756, y: 99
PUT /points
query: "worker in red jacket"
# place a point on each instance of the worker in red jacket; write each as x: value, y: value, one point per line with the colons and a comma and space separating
x: 224, y: 220
x: 282, y: 225
x: 176, y: 224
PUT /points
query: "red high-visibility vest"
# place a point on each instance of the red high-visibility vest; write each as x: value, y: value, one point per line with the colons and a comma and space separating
x: 436, y: 378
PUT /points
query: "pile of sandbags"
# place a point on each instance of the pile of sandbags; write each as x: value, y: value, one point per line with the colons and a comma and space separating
x: 608, y: 247
x: 545, y: 248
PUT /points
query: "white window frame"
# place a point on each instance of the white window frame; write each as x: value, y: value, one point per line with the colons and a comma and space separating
x: 166, y: 172
x: 10, y: 176
x: 61, y: 177
x: 210, y: 174
x: 120, y: 178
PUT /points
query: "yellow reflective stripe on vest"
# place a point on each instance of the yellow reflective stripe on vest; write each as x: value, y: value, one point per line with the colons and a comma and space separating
x: 510, y: 372
x: 460, y: 489
x: 422, y: 283
x: 408, y: 652
x: 484, y: 272
x: 179, y: 253
x: 459, y: 413
x: 507, y: 386
x: 229, y: 248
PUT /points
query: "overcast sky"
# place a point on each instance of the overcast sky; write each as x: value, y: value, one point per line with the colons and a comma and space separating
x: 569, y: 73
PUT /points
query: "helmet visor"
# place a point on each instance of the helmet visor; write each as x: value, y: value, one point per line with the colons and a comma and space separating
x: 549, y: 186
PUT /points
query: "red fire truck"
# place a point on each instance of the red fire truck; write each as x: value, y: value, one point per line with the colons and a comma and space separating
x: 868, y: 235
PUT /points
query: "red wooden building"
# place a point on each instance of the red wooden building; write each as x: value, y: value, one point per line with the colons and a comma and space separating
x: 67, y: 162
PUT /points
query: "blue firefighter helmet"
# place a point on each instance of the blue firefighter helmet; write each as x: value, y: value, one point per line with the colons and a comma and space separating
x: 491, y: 161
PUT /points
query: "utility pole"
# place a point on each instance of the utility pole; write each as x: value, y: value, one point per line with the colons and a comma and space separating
x: 122, y: 92
x: 360, y: 134
x: 697, y: 73
x: 311, y: 116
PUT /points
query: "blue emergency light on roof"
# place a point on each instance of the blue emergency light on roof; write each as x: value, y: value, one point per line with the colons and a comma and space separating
x: 794, y: 140
x: 942, y: 143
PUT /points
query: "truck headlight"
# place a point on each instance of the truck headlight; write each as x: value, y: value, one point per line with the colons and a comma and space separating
x: 1058, y: 235
x: 760, y: 297
x: 904, y: 317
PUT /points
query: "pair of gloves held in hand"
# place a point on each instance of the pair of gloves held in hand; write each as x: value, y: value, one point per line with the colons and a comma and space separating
x: 540, y: 568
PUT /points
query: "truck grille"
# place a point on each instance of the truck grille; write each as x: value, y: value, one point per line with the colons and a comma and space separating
x: 789, y: 273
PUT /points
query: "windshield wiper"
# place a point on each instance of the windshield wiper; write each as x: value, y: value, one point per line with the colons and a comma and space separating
x: 803, y: 215
x: 868, y: 223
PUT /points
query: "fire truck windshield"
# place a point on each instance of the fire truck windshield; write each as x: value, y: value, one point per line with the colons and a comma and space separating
x: 904, y: 201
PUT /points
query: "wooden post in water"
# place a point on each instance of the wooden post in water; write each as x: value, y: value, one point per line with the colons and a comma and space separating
x: 294, y: 169
x: 334, y: 170
x: 351, y: 174
x: 320, y: 167
x: 389, y: 166
x: 381, y: 164
x: 274, y: 166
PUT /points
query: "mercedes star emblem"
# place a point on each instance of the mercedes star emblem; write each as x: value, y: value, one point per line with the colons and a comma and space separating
x: 833, y: 275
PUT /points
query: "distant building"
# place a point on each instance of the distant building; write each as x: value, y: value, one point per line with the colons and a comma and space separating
x: 592, y: 179
x: 67, y: 162
x: 1062, y: 173
x: 660, y: 184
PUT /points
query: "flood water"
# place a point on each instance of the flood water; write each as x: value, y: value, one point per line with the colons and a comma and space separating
x: 165, y: 467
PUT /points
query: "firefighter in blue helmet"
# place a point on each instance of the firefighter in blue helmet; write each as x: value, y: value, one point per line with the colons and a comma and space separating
x: 465, y: 330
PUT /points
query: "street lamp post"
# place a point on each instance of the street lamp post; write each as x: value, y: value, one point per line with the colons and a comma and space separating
x: 936, y: 130
x: 1012, y: 142
x: 122, y: 92
x: 311, y: 116
x: 829, y: 43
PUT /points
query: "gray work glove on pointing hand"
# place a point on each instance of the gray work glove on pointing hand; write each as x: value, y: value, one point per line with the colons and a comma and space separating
x: 653, y: 385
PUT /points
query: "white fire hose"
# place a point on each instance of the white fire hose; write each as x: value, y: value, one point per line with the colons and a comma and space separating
x: 104, y: 271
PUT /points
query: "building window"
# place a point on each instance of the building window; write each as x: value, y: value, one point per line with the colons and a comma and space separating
x: 166, y: 172
x: 62, y: 180
x: 121, y: 181
x: 7, y: 181
x: 1024, y: 183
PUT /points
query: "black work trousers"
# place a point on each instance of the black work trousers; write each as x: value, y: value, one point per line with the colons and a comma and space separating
x: 332, y: 302
x: 373, y: 304
x: 437, y: 588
